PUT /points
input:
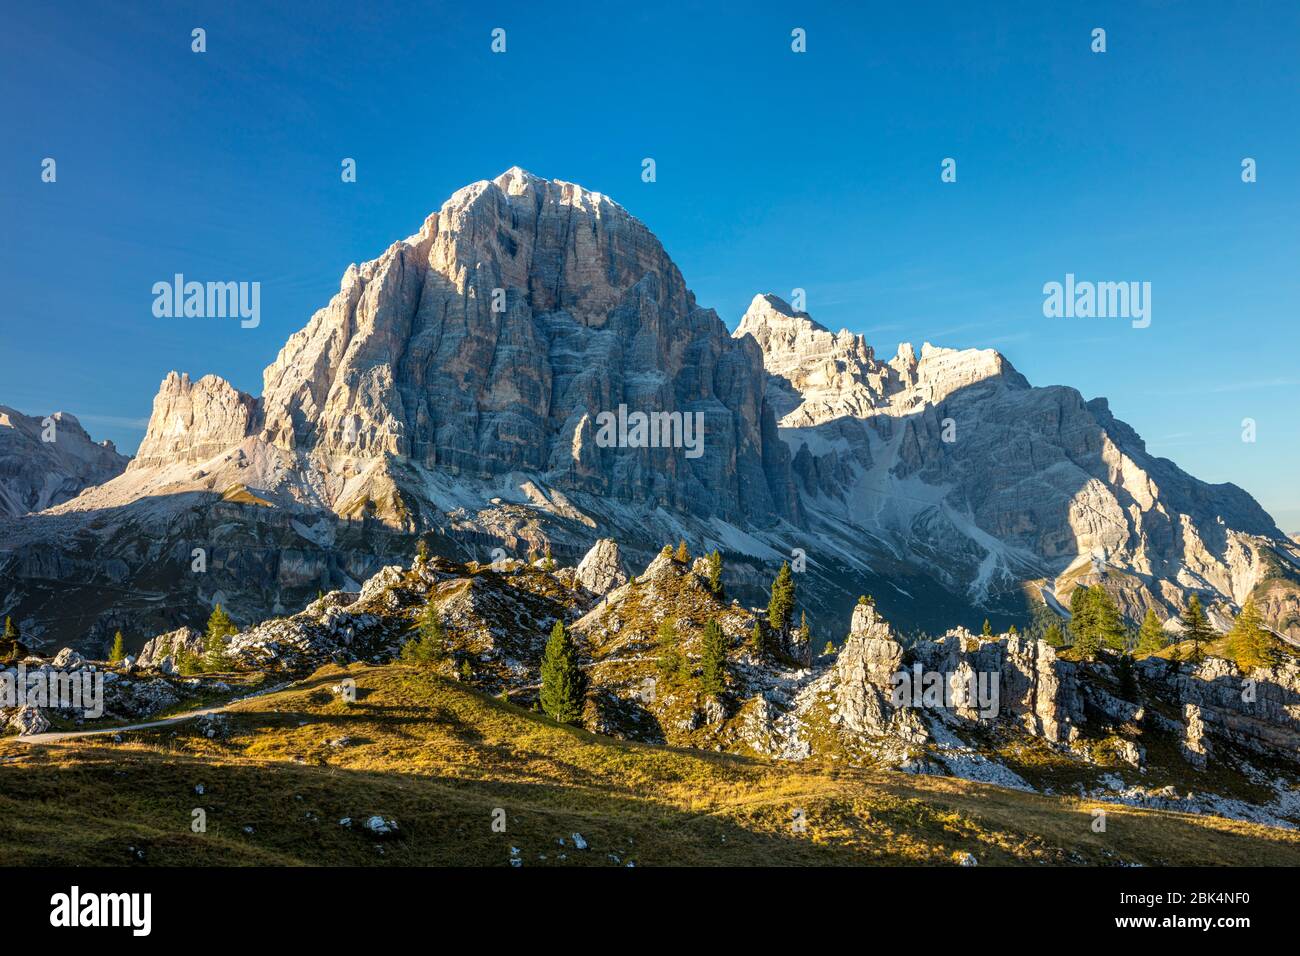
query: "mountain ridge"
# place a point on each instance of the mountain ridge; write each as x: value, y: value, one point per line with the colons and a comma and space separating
x: 449, y: 390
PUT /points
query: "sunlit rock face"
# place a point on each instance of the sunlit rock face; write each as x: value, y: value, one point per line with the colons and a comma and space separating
x: 954, y: 457
x: 491, y: 340
x: 46, y: 460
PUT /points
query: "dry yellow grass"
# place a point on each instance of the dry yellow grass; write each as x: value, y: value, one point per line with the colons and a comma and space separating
x: 444, y: 761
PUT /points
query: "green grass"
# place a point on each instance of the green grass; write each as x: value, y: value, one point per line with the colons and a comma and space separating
x: 440, y: 758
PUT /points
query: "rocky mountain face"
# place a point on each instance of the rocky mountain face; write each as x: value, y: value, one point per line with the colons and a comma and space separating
x: 477, y: 386
x: 990, y: 482
x: 47, y: 464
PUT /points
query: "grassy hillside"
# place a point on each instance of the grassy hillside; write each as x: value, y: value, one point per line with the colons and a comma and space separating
x: 439, y: 758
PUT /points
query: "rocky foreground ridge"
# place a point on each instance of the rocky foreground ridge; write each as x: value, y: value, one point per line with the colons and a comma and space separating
x: 451, y: 389
x: 1202, y: 738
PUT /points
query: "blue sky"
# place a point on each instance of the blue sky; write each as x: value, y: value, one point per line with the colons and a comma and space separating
x: 775, y: 170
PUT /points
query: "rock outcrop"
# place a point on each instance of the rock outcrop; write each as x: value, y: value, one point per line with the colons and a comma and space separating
x: 193, y: 421
x: 601, y: 569
x: 172, y: 645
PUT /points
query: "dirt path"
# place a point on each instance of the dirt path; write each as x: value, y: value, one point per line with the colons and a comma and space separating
x: 54, y: 736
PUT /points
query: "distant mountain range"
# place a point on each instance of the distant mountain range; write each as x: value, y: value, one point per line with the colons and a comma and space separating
x: 454, y: 388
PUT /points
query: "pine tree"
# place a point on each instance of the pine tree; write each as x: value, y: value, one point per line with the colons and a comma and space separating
x: 422, y: 551
x: 1151, y: 636
x: 1106, y: 620
x: 1053, y: 635
x: 713, y: 673
x: 671, y: 662
x: 220, y: 624
x: 683, y: 556
x: 563, y: 683
x: 11, y: 647
x: 187, y: 662
x: 548, y: 563
x: 757, y: 642
x: 715, y: 573
x: 220, y: 627
x: 429, y: 646
x: 780, y: 608
x: 1083, y: 622
x: 829, y: 648
x: 118, y: 650
x: 1012, y: 631
x: 1195, y: 628
x: 988, y: 628
x: 1250, y: 645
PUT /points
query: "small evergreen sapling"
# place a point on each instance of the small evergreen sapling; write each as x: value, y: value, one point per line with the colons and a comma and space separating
x: 715, y: 573
x: 1151, y: 636
x: 713, y: 672
x: 1195, y: 628
x: 780, y: 607
x: 563, y: 683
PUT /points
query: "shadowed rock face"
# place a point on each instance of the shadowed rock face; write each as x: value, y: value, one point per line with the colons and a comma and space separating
x: 36, y: 474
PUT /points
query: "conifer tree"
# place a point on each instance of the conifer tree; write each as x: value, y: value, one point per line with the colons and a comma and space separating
x: 422, y: 551
x: 118, y: 651
x: 1195, y: 628
x: 780, y: 608
x: 1151, y: 636
x: 683, y: 556
x: 220, y: 624
x: 11, y: 647
x: 220, y: 627
x: 1053, y: 635
x: 757, y: 643
x: 715, y: 573
x: 563, y: 683
x: 1251, y: 646
x: 548, y: 563
x: 829, y: 648
x: 187, y: 662
x: 1083, y: 627
x: 713, y: 672
x: 988, y: 628
x: 1106, y: 620
x: 671, y: 661
x: 429, y: 646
